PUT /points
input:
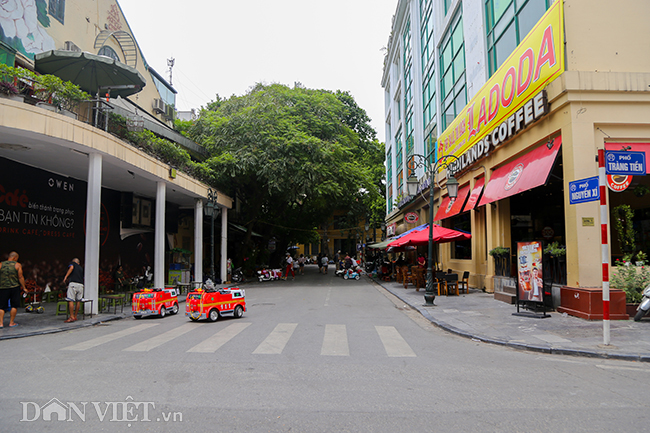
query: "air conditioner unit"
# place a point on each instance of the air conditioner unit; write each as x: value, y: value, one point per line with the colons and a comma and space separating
x: 170, y: 112
x: 159, y: 106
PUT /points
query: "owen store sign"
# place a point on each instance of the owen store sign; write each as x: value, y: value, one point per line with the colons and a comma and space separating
x: 495, y: 113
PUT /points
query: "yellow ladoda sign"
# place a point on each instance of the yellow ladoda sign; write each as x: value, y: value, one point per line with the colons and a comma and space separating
x: 537, y: 61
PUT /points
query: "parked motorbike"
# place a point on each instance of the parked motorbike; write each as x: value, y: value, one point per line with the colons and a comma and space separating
x: 237, y: 276
x: 644, y: 306
x: 269, y: 274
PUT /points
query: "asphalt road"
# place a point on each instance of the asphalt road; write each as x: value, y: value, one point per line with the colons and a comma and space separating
x: 318, y: 354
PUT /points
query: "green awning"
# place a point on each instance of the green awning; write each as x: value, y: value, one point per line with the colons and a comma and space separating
x: 382, y: 245
x: 243, y: 229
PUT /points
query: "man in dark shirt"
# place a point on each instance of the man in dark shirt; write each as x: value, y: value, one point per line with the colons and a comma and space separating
x: 75, y: 276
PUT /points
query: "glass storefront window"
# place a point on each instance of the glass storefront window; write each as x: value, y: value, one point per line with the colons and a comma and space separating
x: 462, y: 250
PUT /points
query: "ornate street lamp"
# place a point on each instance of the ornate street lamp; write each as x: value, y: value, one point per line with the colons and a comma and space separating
x: 212, y: 210
x: 452, y: 189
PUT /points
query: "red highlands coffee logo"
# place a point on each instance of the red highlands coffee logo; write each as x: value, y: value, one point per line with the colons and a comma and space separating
x: 514, y: 176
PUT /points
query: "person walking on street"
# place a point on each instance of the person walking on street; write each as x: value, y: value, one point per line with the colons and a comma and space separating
x: 75, y: 275
x: 11, y: 282
x: 289, y: 267
x: 301, y: 263
x: 325, y: 262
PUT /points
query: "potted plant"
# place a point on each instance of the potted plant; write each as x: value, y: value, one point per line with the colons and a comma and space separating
x: 501, y: 257
x: 8, y: 90
x: 632, y: 278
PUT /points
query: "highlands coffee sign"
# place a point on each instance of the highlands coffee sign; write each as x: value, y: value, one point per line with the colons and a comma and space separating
x: 512, y: 98
x: 532, y: 110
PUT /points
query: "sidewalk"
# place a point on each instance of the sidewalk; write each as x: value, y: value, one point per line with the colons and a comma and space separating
x: 30, y: 324
x: 479, y: 316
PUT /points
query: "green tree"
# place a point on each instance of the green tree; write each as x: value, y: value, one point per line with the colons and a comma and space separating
x: 291, y: 156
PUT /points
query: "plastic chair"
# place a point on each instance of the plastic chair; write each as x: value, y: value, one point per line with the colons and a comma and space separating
x: 441, y: 282
x: 464, y: 283
x: 451, y: 281
x: 62, y: 308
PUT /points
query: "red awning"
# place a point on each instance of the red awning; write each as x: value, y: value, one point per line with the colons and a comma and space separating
x: 635, y: 147
x: 476, y: 193
x: 526, y: 172
x: 448, y: 209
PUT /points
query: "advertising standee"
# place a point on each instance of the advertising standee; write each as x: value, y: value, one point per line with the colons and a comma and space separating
x: 530, y: 282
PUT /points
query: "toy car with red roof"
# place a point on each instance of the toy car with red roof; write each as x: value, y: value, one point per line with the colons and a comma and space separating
x: 213, y: 303
x: 148, y: 302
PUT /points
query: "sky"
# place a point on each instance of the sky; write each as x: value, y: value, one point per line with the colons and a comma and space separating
x: 225, y: 47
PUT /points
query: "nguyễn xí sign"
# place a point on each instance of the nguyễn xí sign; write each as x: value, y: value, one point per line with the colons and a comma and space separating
x: 584, y: 190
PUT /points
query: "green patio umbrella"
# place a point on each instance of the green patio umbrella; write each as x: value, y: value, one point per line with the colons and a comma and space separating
x: 91, y: 72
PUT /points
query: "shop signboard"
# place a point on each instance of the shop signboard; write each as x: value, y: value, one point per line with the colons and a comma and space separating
x: 411, y: 217
x: 618, y: 183
x: 529, y: 271
x: 513, y: 97
x: 584, y: 190
x: 625, y: 163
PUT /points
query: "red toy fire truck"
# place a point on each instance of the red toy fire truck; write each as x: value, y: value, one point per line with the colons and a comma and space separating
x: 212, y: 303
x: 154, y: 301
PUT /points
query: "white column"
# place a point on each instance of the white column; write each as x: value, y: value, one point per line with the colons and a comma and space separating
x: 93, y: 216
x: 159, y: 237
x: 224, y: 243
x: 198, y: 240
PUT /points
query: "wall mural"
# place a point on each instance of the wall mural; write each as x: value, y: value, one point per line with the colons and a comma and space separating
x: 22, y: 26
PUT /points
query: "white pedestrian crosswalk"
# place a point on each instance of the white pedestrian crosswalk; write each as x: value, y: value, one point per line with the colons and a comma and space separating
x: 213, y: 343
x: 335, y: 341
x: 276, y: 341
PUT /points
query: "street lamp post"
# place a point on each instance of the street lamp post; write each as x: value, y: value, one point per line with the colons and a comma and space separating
x: 211, y: 210
x: 452, y: 189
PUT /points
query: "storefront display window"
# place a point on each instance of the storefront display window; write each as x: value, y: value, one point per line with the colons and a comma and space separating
x: 462, y: 250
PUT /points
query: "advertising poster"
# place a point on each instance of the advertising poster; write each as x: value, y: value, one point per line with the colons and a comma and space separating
x: 529, y: 271
x: 42, y: 217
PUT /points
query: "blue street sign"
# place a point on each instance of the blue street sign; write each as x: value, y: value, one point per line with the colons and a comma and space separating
x: 584, y: 190
x: 625, y: 163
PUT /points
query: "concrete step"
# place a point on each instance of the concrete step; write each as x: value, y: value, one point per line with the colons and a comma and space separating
x: 509, y: 289
x: 508, y: 298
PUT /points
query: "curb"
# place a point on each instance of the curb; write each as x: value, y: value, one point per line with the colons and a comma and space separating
x: 513, y: 345
x: 91, y: 322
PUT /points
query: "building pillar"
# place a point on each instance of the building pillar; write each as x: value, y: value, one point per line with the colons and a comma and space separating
x: 198, y: 240
x: 93, y: 218
x: 224, y: 244
x: 159, y: 237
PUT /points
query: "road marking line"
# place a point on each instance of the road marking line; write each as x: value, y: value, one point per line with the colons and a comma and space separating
x: 616, y: 367
x: 213, y: 343
x: 393, y: 342
x: 108, y: 338
x: 161, y: 339
x: 327, y: 298
x: 335, y: 342
x: 275, y: 342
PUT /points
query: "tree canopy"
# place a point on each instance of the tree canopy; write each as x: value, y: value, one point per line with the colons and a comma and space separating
x: 291, y: 157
